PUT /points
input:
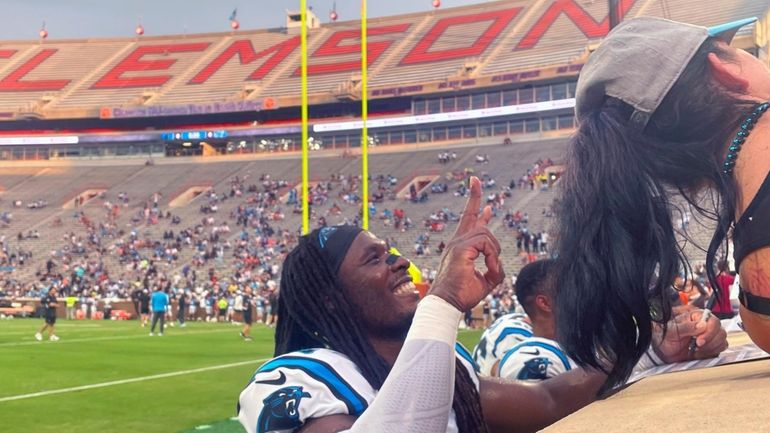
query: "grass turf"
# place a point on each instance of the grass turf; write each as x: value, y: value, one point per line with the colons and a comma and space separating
x: 96, y: 352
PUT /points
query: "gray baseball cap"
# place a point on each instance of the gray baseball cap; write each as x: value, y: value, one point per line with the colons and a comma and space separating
x: 639, y: 62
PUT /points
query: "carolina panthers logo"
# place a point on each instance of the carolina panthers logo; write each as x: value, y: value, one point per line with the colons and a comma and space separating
x: 324, y: 234
x: 535, y: 369
x: 281, y: 410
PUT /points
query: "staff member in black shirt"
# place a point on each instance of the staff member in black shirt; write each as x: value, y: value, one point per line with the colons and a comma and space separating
x: 49, y: 304
x: 247, y: 317
x: 135, y: 300
x: 181, y: 311
x: 144, y: 306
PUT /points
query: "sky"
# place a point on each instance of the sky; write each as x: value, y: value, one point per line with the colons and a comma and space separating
x: 66, y: 19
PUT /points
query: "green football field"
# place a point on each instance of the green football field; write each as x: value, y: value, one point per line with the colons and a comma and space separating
x: 107, y: 376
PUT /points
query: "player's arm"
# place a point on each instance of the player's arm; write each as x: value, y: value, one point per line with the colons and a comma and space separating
x: 526, y: 407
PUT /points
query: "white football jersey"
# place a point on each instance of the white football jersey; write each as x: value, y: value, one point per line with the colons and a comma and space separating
x: 504, y: 333
x: 534, y: 360
x: 293, y: 388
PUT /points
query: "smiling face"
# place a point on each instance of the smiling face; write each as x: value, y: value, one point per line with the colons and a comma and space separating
x: 383, y: 294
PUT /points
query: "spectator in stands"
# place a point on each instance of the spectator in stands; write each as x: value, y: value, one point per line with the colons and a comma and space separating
x: 694, y: 293
x: 723, y: 307
x: 544, y: 242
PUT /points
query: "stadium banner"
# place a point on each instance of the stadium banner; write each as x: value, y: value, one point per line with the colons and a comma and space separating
x: 480, y: 82
x: 264, y: 131
x: 446, y: 117
x: 11, y: 141
x: 186, y: 110
x: 120, y: 138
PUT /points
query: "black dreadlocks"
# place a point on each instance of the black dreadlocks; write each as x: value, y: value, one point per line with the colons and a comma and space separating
x: 309, y: 290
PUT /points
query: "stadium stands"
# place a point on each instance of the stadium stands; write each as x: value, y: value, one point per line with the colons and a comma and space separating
x: 60, y: 185
x: 474, y: 42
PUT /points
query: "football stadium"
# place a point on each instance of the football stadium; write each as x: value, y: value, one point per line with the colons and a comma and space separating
x: 180, y: 218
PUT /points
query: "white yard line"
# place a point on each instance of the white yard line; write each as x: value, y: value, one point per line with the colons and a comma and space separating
x: 125, y: 381
x: 126, y: 337
x: 58, y: 329
x: 63, y: 323
x: 36, y: 324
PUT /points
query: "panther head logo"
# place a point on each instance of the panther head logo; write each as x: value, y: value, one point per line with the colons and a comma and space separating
x: 324, y: 235
x: 281, y: 410
x: 534, y: 369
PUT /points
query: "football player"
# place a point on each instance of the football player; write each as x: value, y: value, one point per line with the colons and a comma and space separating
x: 504, y: 333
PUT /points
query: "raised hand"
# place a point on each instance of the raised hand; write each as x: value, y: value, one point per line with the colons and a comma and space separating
x: 458, y: 281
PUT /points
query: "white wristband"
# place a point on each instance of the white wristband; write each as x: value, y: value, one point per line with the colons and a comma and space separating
x: 435, y: 319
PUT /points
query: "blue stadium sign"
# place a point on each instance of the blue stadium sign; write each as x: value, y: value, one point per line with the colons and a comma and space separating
x: 193, y: 135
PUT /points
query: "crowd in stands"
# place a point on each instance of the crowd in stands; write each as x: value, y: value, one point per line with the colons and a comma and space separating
x: 100, y: 261
x: 34, y: 204
x: 239, y: 241
x: 446, y: 157
x: 5, y: 219
x: 13, y: 257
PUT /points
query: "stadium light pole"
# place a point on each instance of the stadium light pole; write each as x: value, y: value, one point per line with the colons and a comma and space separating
x: 303, y: 80
x: 364, y: 116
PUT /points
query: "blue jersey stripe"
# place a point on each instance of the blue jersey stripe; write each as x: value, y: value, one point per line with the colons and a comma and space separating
x: 325, y: 374
x: 462, y: 351
x: 506, y: 332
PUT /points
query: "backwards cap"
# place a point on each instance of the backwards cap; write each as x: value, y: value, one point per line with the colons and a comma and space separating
x: 640, y: 60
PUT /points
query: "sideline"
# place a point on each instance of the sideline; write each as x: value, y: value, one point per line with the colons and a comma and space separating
x: 132, y: 380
